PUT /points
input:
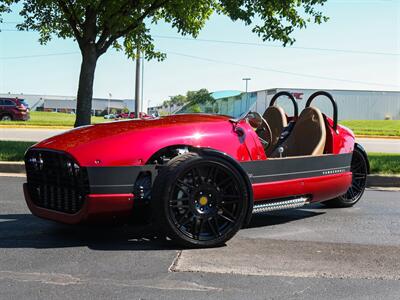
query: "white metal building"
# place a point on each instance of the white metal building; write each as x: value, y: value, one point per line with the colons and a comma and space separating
x: 352, y: 104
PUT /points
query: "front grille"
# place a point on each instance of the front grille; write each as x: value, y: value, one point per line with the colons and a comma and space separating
x: 55, y: 180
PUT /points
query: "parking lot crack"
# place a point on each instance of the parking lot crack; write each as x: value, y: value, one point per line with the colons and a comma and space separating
x: 46, y: 278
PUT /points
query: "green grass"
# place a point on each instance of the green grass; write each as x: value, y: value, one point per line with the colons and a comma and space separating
x: 360, y: 127
x: 384, y: 163
x: 374, y: 127
x: 40, y: 118
x: 13, y: 151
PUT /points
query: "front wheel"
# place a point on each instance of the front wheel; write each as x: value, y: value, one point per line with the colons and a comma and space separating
x: 6, y: 118
x: 199, y: 201
x: 359, y: 169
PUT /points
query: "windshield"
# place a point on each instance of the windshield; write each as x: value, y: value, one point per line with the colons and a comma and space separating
x: 234, y: 106
x: 23, y: 102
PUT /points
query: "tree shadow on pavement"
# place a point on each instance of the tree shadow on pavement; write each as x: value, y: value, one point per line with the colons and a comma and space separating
x: 28, y: 231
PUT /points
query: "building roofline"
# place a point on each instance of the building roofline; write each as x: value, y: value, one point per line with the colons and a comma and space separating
x: 49, y: 97
x: 319, y: 89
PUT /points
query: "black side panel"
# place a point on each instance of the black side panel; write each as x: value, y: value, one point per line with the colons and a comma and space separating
x: 277, y: 169
x: 115, y: 180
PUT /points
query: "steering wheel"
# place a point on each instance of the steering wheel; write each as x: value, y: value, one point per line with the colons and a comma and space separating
x: 261, y: 127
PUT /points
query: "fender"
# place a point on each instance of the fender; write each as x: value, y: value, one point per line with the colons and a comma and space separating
x: 238, y: 167
x: 364, y: 153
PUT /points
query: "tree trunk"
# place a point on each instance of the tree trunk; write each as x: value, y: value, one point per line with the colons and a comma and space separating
x: 85, y: 89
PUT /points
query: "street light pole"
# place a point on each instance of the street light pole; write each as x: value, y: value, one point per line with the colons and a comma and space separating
x: 137, y: 85
x: 142, y: 87
x: 108, y: 106
x: 247, y: 95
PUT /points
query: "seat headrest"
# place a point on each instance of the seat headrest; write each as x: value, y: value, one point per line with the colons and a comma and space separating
x: 312, y: 113
x: 275, y: 113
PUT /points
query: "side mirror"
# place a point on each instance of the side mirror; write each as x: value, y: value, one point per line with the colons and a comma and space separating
x: 239, y: 131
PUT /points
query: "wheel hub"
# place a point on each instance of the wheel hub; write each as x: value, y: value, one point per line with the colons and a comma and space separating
x: 205, y: 201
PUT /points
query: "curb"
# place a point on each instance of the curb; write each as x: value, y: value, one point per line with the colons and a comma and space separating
x: 36, y: 127
x: 12, y: 167
x: 384, y: 137
x: 383, y: 180
x: 374, y: 180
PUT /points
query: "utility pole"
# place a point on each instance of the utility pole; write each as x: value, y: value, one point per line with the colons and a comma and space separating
x: 142, y: 87
x: 247, y: 95
x: 108, y: 106
x: 137, y: 85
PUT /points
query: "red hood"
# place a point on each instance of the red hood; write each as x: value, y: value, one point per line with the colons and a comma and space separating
x: 134, y: 141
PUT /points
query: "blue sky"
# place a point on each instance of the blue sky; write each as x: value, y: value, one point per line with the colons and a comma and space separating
x: 365, y: 26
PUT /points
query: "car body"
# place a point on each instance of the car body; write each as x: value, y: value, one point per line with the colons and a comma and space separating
x: 210, y: 171
x: 13, y: 109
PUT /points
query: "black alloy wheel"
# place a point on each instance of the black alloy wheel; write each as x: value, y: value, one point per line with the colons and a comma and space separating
x: 359, y: 169
x: 200, y: 201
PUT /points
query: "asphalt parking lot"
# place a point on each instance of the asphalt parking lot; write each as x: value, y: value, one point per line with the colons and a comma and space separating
x: 310, y: 253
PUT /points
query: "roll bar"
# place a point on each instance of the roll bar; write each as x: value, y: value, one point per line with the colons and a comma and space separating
x: 329, y: 96
x: 283, y: 93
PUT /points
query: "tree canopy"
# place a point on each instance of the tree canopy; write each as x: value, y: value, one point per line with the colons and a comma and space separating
x: 201, y: 96
x: 97, y: 25
x: 104, y: 22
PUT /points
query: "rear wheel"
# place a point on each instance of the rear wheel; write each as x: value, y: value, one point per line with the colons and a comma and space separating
x: 359, y: 169
x: 6, y: 117
x: 199, y: 201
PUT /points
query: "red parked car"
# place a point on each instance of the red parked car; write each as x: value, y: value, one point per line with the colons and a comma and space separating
x: 131, y: 115
x: 201, y: 175
x: 13, y: 109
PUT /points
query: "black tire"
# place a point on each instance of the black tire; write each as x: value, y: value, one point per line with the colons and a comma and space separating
x: 359, y: 167
x: 6, y: 117
x: 199, y: 201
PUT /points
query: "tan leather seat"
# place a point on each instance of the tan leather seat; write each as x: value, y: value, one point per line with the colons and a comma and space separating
x: 277, y: 121
x: 308, y: 135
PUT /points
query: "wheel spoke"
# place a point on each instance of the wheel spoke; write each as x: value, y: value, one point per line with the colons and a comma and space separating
x: 185, y: 219
x: 228, y: 213
x: 350, y: 192
x: 226, y: 218
x: 184, y: 186
x: 230, y: 199
x: 213, y: 224
x: 212, y: 174
x: 359, y: 175
x: 177, y: 200
x: 225, y: 183
x: 197, y: 227
x: 194, y: 176
x: 179, y: 205
x: 356, y: 187
x: 358, y: 166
